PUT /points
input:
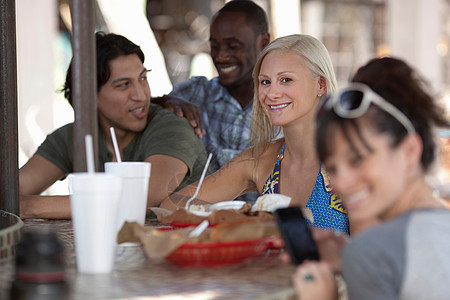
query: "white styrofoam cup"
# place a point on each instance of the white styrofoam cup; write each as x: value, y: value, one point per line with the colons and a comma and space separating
x: 94, y: 202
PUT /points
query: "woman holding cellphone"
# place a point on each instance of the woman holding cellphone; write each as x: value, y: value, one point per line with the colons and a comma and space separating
x: 377, y: 140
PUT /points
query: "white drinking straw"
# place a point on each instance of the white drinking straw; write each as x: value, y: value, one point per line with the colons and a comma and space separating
x: 116, y: 146
x: 199, y: 229
x: 200, y: 182
x: 89, y: 153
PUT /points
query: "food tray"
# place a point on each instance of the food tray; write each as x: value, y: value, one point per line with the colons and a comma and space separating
x: 217, y: 253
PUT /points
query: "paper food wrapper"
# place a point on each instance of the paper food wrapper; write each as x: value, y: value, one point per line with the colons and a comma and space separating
x: 157, y: 243
x: 160, y: 212
x: 216, y: 217
x: 247, y: 229
x: 263, y: 208
x: 272, y: 202
x: 160, y: 243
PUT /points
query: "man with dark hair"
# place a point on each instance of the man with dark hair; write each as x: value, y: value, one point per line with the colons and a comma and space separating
x: 238, y: 32
x: 145, y: 132
x: 108, y: 47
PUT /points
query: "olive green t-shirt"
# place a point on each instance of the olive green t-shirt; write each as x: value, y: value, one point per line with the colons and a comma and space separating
x: 165, y: 134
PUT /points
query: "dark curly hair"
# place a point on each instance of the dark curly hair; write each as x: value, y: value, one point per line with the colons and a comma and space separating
x: 109, y: 46
x: 401, y: 85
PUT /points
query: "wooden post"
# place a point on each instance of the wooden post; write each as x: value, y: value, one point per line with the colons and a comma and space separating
x: 9, y: 173
x: 84, y: 80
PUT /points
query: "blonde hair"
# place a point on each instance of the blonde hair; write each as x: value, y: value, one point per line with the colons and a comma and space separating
x: 318, y: 62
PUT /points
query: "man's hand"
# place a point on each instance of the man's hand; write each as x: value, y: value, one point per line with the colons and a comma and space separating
x: 47, y: 207
x: 183, y: 109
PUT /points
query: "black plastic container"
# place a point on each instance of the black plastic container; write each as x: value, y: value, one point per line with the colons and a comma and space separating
x: 40, y: 267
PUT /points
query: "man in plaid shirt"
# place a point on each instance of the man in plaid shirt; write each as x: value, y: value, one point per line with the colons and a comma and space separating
x: 238, y: 32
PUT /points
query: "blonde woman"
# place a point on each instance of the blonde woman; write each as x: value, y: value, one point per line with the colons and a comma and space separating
x: 291, y: 75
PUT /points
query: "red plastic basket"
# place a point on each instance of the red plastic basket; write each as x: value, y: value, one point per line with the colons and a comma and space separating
x: 176, y: 225
x: 217, y: 254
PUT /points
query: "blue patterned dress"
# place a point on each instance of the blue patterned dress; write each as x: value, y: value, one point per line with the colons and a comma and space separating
x: 325, y: 206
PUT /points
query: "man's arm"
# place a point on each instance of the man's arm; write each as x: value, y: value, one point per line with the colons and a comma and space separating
x: 34, y: 177
x: 185, y: 109
x: 167, y: 173
x: 48, y: 207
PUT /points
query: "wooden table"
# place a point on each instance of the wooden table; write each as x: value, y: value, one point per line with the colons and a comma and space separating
x: 136, y: 277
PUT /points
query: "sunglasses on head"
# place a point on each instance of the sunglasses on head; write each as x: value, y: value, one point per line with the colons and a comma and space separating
x: 354, y: 101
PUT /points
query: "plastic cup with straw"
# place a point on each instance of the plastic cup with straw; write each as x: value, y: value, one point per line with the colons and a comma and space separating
x: 95, y: 203
x: 136, y: 176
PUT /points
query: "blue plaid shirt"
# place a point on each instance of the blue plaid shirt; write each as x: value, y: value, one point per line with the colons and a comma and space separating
x: 226, y: 123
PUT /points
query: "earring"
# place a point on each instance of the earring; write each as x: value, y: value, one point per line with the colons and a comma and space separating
x: 319, y: 95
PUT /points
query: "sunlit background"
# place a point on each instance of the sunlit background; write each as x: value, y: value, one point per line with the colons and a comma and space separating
x: 174, y: 36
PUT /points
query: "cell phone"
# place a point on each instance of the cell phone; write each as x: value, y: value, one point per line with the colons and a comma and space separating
x: 296, y: 234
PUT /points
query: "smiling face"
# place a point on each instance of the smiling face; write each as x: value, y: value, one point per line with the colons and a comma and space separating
x: 370, y: 182
x: 287, y: 89
x: 234, y: 48
x: 124, y: 100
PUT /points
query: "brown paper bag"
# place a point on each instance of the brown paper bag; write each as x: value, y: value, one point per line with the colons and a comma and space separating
x: 158, y: 243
